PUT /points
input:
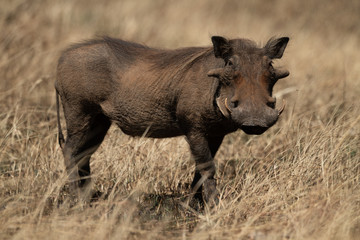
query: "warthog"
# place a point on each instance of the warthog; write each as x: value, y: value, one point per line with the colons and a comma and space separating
x: 203, y: 93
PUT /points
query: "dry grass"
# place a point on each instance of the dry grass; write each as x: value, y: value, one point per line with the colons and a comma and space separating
x: 299, y: 180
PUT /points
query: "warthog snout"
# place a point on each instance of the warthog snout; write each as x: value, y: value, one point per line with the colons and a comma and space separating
x: 253, y: 120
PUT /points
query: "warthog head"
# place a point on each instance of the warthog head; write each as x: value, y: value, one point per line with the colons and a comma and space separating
x: 247, y: 81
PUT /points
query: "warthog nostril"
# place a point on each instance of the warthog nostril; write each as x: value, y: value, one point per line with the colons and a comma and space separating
x: 271, y: 102
x: 234, y: 103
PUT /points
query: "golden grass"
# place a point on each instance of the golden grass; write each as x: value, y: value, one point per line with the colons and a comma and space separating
x: 299, y: 180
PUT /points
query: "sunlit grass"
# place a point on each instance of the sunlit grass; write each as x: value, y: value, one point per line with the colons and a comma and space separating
x: 299, y: 180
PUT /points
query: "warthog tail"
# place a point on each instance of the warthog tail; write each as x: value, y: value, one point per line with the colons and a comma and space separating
x: 61, y: 136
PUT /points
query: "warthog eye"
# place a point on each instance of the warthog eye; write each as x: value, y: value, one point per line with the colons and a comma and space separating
x: 272, y: 73
x: 271, y: 68
x: 229, y: 63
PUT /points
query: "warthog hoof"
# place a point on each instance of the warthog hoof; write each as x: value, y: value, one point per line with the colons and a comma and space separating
x: 210, y: 193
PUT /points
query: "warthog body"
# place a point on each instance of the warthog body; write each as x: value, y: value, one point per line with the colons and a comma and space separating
x: 203, y: 93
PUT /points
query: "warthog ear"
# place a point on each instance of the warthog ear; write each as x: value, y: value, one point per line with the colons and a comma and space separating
x: 222, y: 48
x: 275, y: 47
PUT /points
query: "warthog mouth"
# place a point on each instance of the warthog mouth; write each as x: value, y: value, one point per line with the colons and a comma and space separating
x: 226, y: 110
x: 254, y: 130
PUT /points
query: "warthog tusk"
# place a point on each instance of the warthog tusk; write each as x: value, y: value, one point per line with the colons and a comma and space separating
x: 222, y: 107
x: 227, y: 106
x: 282, y: 107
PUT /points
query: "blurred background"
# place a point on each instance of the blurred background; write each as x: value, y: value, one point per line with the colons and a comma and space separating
x: 299, y: 180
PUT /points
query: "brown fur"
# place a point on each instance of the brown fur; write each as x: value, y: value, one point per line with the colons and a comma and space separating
x: 165, y: 93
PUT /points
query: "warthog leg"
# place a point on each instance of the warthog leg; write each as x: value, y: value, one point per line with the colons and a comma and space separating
x: 85, y: 134
x: 203, y: 150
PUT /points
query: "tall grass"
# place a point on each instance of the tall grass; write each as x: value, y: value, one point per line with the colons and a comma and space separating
x: 299, y: 180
